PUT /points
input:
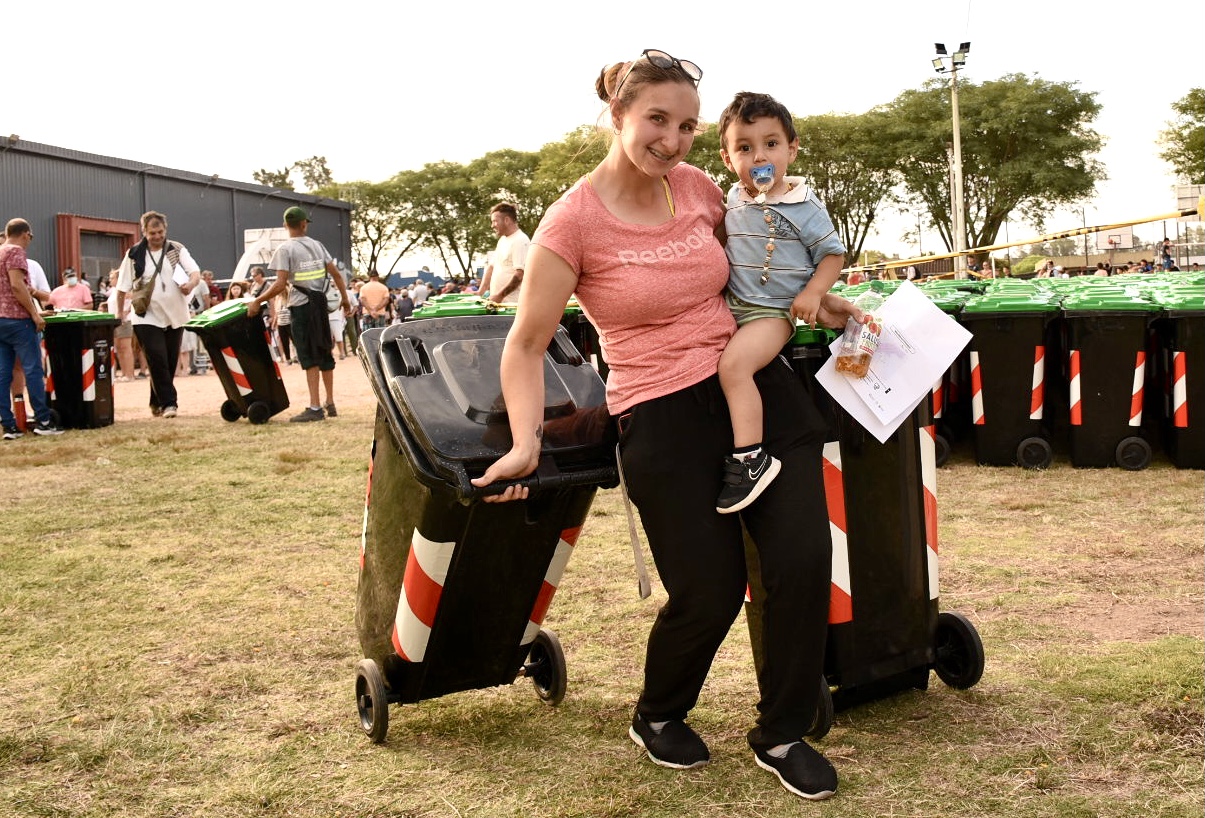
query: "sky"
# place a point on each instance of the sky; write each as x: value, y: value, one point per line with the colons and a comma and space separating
x: 379, y: 88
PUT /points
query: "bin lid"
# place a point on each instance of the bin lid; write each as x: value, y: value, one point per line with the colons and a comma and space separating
x: 441, y: 377
x: 1084, y: 302
x: 219, y: 314
x: 70, y: 316
x: 1009, y: 304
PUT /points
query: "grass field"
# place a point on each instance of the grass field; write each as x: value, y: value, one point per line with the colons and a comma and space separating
x: 178, y: 640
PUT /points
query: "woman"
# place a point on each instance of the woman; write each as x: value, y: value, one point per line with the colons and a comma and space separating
x: 641, y: 216
x: 123, y: 336
x: 169, y: 270
x: 235, y: 291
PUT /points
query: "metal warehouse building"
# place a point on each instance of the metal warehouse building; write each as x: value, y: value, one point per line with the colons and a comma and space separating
x: 84, y: 209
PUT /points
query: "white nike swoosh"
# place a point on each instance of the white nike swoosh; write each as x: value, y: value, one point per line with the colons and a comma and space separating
x: 758, y: 473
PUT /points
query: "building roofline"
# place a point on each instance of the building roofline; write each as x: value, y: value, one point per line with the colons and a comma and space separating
x: 141, y: 168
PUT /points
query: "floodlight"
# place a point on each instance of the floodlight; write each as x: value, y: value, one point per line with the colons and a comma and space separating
x: 938, y: 65
x: 941, y: 48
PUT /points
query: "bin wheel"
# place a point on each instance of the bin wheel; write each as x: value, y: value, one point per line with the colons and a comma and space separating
x: 1034, y: 453
x: 230, y: 411
x: 1133, y: 454
x: 372, y: 701
x: 941, y: 450
x: 823, y: 721
x: 545, y: 666
x: 958, y: 651
x: 259, y: 412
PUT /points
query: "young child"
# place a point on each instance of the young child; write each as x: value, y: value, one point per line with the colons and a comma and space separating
x: 784, y: 255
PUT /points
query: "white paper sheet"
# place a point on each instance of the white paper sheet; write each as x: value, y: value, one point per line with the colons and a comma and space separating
x: 918, y: 344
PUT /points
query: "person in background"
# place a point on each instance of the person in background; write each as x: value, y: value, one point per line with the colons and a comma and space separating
x: 304, y: 264
x: 258, y: 283
x: 375, y: 302
x: 610, y: 234
x: 123, y: 334
x: 235, y: 291
x: 160, y: 330
x: 71, y: 294
x: 20, y: 322
x: 504, y: 273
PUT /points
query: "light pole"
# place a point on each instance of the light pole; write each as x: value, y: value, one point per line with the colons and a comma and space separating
x: 957, y: 60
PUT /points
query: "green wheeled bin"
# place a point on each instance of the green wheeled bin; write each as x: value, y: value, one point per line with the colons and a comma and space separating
x: 79, y: 374
x: 452, y: 590
x: 1109, y: 365
x: 241, y: 355
x: 885, y: 631
x: 1182, y: 372
x: 1013, y: 336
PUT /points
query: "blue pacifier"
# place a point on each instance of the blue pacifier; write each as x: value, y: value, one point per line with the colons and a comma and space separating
x: 762, y: 177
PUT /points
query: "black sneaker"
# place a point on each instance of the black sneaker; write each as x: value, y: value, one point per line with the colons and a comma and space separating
x: 745, y: 480
x: 46, y: 428
x: 13, y: 433
x: 330, y: 410
x: 676, y: 746
x: 803, y: 771
x: 307, y: 415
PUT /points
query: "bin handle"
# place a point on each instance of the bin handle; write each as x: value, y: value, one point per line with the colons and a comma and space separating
x: 546, y: 477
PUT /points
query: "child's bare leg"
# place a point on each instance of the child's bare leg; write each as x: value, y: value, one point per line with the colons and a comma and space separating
x: 752, y: 347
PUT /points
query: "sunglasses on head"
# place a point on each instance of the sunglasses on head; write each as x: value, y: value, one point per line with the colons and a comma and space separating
x: 663, y: 60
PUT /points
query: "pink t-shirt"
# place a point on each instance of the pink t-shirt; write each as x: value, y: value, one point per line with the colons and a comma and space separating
x: 12, y: 257
x: 652, y: 291
x: 78, y: 297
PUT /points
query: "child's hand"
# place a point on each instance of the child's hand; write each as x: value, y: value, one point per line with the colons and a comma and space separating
x: 806, y: 308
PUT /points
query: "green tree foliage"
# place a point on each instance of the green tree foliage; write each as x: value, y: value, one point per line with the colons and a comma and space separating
x: 1184, y: 140
x: 449, y: 213
x: 379, y: 222
x: 1027, y: 148
x: 273, y: 178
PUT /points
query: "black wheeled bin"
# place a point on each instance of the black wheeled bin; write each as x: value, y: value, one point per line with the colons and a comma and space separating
x: 1108, y: 366
x: 1182, y: 357
x: 452, y: 590
x: 79, y: 377
x: 1013, y: 337
x: 885, y: 631
x: 241, y: 355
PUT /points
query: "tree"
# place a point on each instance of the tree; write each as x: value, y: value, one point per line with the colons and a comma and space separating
x: 449, y: 213
x: 378, y: 220
x: 1184, y: 140
x: 1026, y: 147
x: 273, y: 178
x: 313, y: 171
x: 563, y: 163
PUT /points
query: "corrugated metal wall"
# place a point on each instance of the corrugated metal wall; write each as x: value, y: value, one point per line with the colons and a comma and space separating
x: 38, y: 182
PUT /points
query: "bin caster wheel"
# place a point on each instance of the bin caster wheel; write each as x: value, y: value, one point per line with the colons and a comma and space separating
x: 1034, y: 453
x: 958, y: 651
x: 1133, y: 454
x: 823, y: 722
x: 545, y: 666
x: 941, y: 450
x: 259, y: 412
x: 230, y: 411
x: 372, y: 701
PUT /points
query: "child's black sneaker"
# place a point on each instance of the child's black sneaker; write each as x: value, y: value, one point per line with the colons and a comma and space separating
x: 745, y: 480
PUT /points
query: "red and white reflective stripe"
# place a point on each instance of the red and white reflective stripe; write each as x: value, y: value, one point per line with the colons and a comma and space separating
x: 840, y: 606
x: 372, y: 458
x: 939, y: 397
x: 275, y: 363
x: 1077, y: 408
x: 552, y: 578
x: 236, y: 371
x: 88, y: 370
x: 1179, y: 390
x: 47, y: 372
x: 928, y: 479
x: 422, y: 586
x: 976, y: 390
x: 1037, y: 398
x: 1136, y: 393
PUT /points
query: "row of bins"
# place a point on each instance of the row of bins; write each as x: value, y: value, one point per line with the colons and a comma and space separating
x: 1106, y: 370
